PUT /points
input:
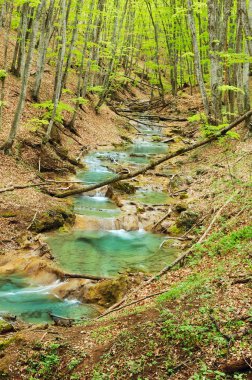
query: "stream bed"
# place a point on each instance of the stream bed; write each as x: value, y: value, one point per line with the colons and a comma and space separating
x: 101, y: 251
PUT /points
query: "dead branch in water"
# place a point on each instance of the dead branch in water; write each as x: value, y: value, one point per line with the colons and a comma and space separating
x: 152, y: 165
x: 119, y: 305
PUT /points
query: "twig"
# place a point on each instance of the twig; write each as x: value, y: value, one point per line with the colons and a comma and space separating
x: 33, y: 219
x: 43, y: 336
x: 131, y: 303
x: 217, y: 215
x: 162, y: 219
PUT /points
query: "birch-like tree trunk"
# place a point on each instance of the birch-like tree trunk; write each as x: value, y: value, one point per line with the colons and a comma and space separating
x: 218, y: 18
x: 46, y: 32
x: 78, y: 8
x: 25, y: 77
x: 197, y: 64
x: 59, y: 71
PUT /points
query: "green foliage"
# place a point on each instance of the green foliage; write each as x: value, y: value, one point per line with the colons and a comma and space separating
x: 74, y: 363
x: 220, y: 243
x: 201, y: 117
x: 192, y: 283
x: 3, y: 74
x: 226, y: 87
x: 205, y: 373
x: 36, y: 124
x: 80, y: 101
x: 44, y: 364
x: 96, y: 89
x: 48, y: 106
x: 209, y: 130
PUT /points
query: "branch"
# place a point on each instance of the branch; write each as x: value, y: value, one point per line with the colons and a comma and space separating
x: 132, y: 303
x: 85, y: 276
x: 159, y: 161
x: 118, y: 306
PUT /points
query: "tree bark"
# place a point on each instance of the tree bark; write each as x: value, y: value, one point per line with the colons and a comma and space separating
x: 25, y: 77
x: 197, y: 63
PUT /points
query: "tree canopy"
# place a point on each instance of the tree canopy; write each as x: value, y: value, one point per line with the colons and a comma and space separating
x: 166, y: 45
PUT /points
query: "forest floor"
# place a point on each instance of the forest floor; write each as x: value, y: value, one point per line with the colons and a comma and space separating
x: 201, y: 326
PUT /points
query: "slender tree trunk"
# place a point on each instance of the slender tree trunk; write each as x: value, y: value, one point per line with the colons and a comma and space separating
x: 197, y: 63
x: 42, y: 49
x: 6, y: 45
x: 59, y: 72
x: 25, y: 77
x: 78, y: 9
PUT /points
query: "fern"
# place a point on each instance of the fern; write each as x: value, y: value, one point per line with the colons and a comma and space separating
x: 226, y: 87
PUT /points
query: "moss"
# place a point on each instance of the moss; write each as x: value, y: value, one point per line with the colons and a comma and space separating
x: 5, y: 327
x: 7, y: 214
x: 124, y: 188
x: 187, y: 219
x: 175, y: 230
x: 108, y: 292
x: 53, y: 219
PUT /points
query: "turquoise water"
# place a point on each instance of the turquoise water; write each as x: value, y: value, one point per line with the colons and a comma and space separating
x: 33, y: 303
x: 98, y: 206
x: 150, y: 197
x: 105, y: 253
x: 102, y: 253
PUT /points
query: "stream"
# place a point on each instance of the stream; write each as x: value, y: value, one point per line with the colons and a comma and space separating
x: 97, y: 245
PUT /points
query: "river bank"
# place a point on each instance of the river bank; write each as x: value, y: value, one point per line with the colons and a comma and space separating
x: 202, y: 182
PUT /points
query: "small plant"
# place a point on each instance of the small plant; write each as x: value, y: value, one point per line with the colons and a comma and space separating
x: 200, y: 117
x: 48, y: 107
x: 73, y: 363
x: 205, y: 373
x: 3, y: 75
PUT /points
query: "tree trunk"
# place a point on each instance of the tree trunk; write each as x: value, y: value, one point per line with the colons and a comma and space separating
x: 25, y: 77
x: 45, y: 36
x: 59, y: 72
x: 197, y: 63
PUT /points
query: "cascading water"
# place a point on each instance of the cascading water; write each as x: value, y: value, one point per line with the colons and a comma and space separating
x: 97, y: 245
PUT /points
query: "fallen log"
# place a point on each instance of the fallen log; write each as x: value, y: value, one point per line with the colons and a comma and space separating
x: 157, y: 162
x: 119, y: 305
x: 143, y: 170
x: 61, y: 321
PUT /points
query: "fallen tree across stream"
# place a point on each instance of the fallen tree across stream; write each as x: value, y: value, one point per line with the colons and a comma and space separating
x: 152, y: 165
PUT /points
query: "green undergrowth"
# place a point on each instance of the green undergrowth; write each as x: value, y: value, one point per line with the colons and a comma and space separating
x: 192, y: 329
x: 222, y: 242
x: 189, y: 332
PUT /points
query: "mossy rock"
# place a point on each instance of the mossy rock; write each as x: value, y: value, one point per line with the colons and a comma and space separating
x: 108, y: 292
x: 123, y: 188
x: 187, y: 219
x: 53, y: 219
x: 5, y: 327
x: 180, y: 207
